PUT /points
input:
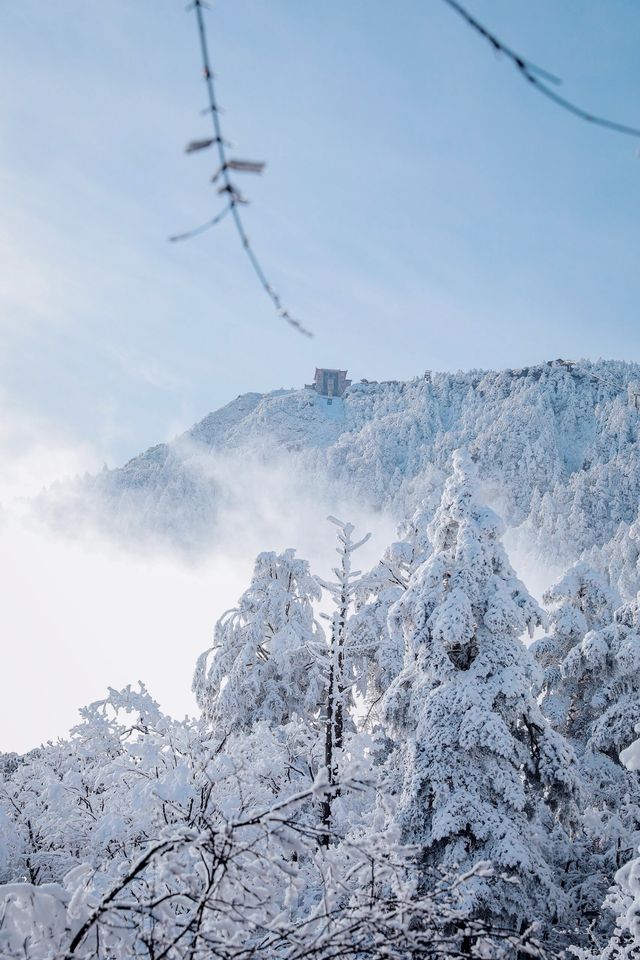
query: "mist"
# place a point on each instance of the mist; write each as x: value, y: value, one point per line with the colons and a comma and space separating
x: 86, y: 611
x: 88, y: 608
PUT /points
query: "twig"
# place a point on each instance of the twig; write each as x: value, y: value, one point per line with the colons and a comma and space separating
x: 228, y: 188
x: 201, y: 229
x: 536, y: 75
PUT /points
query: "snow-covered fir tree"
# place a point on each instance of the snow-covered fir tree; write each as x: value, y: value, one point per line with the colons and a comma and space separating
x: 605, y: 669
x: 582, y: 681
x: 479, y: 773
x: 627, y: 903
x: 619, y: 560
x: 592, y: 695
x: 268, y: 658
x: 602, y: 677
x: 578, y: 602
x: 623, y: 900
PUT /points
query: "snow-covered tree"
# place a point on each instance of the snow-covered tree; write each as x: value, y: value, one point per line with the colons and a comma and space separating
x: 268, y: 658
x: 340, y: 665
x: 69, y: 800
x: 161, y: 844
x: 618, y: 559
x: 603, y: 670
x: 589, y: 672
x: 375, y: 651
x: 623, y: 899
x: 376, y: 645
x: 578, y: 602
x: 627, y: 901
x: 480, y: 773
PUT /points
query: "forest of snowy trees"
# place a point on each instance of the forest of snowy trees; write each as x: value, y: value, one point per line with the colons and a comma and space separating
x: 556, y: 449
x: 417, y: 760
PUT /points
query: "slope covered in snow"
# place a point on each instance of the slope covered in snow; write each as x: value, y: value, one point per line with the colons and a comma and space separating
x: 556, y: 447
x: 408, y: 745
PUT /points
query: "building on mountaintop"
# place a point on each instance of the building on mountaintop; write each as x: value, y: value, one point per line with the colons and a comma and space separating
x: 329, y: 383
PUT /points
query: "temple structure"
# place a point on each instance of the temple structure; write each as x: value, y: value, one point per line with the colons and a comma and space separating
x: 329, y: 383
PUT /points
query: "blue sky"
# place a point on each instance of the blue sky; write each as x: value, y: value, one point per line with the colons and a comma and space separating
x: 422, y: 207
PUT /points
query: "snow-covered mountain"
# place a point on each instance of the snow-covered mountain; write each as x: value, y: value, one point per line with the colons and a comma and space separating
x: 414, y: 745
x: 556, y: 446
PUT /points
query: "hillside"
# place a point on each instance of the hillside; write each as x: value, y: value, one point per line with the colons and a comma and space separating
x: 556, y: 447
x: 410, y: 746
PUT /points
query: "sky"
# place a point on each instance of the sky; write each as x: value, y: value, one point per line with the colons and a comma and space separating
x: 421, y: 208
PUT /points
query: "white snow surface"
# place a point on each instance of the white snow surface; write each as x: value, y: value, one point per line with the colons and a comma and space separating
x: 556, y: 451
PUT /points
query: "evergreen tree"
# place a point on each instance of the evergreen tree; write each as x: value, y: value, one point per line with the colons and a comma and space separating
x: 268, y: 658
x: 619, y: 560
x: 482, y: 776
x: 604, y: 671
x: 591, y: 695
x: 623, y: 899
x: 608, y: 662
x: 579, y: 602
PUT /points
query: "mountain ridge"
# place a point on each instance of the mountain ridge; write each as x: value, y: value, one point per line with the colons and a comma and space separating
x: 551, y: 441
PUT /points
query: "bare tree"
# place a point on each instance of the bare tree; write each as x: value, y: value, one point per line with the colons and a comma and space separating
x: 342, y: 592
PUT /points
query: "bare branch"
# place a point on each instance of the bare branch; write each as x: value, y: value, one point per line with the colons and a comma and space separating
x: 536, y: 75
x: 226, y: 164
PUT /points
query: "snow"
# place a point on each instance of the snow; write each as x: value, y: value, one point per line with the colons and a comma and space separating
x: 550, y: 444
x: 408, y: 775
